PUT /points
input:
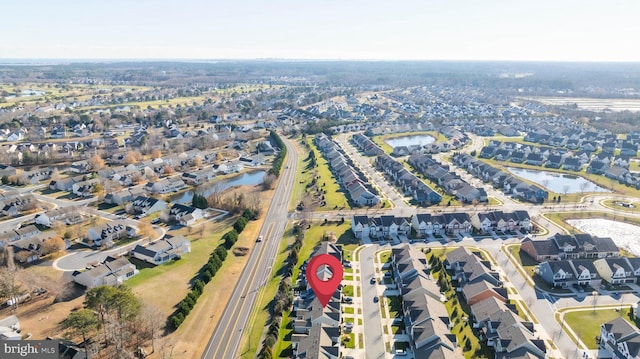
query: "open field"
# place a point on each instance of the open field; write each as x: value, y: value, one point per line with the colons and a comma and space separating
x: 586, y: 322
x: 334, y: 196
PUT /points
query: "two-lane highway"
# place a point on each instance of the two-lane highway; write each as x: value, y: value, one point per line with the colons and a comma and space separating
x: 226, y: 338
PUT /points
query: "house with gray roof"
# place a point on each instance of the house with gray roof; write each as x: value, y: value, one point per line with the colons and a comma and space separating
x: 163, y: 250
x: 620, y: 338
x: 112, y: 271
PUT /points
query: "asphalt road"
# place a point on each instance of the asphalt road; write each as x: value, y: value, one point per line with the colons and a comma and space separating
x: 226, y: 338
x: 373, y: 340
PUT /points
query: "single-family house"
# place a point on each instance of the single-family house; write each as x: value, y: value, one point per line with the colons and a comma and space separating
x: 163, y: 250
x: 113, y: 271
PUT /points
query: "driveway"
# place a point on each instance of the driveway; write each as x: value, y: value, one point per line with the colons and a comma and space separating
x: 78, y: 260
x: 373, y: 340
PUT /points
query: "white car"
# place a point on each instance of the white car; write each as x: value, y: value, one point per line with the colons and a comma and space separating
x: 259, y: 239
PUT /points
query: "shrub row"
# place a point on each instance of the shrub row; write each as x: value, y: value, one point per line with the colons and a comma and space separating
x: 231, y: 237
x: 279, y: 160
x: 204, y: 276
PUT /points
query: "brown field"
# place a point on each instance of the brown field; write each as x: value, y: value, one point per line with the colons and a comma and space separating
x: 164, y: 287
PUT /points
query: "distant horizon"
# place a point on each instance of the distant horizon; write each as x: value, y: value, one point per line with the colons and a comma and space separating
x: 333, y: 30
x: 40, y: 60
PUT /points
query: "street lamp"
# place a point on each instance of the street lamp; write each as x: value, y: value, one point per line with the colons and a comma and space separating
x: 595, y: 300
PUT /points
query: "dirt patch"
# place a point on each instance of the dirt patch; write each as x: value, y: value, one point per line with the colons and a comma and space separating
x: 240, y: 251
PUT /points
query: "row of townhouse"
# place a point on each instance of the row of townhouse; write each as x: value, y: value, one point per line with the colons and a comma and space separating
x: 500, y: 179
x: 425, y: 316
x: 500, y: 325
x: 317, y: 329
x: 565, y: 246
x: 449, y: 181
x: 350, y: 179
x: 425, y: 224
x: 593, y: 140
x: 604, y: 163
x: 408, y: 183
x: 499, y: 221
x: 584, y: 272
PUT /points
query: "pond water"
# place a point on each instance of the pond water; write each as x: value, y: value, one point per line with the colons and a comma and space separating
x: 415, y: 140
x: 558, y: 182
x: 245, y: 179
x: 624, y: 235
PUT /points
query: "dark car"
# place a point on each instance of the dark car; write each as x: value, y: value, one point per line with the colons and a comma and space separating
x: 372, y: 280
x: 376, y: 299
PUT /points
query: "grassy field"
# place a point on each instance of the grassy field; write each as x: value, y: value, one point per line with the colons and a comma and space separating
x: 586, y: 323
x: 613, y: 204
x: 334, y: 196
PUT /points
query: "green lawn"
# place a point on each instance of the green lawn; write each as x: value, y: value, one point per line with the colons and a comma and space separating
x: 349, y: 340
x: 395, y: 306
x: 325, y: 181
x: 347, y: 290
x: 348, y: 310
x: 586, y: 323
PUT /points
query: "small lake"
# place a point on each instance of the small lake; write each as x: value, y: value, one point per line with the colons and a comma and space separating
x: 415, y: 140
x: 246, y: 179
x: 558, y: 182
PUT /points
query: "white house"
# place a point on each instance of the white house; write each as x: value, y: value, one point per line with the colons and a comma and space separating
x: 163, y: 250
x: 166, y: 185
x: 113, y: 271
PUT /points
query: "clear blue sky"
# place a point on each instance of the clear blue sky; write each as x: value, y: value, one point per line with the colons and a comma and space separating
x: 556, y: 30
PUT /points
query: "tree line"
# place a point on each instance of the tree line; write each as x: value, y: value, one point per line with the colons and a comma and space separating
x: 276, y: 167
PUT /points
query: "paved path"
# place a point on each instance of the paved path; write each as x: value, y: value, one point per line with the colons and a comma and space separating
x: 374, y: 342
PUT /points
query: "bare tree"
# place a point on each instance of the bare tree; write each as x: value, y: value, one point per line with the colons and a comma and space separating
x: 153, y: 321
x: 269, y: 181
x: 145, y: 229
x: 53, y: 245
x: 9, y: 286
x: 215, y: 198
x: 96, y: 162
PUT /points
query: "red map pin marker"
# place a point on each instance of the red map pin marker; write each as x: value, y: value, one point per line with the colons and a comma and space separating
x: 324, y: 289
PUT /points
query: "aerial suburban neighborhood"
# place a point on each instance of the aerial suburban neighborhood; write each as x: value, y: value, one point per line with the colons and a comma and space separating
x: 171, y: 209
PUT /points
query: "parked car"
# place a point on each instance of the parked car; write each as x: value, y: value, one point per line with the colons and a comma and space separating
x: 372, y: 280
x: 376, y: 299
